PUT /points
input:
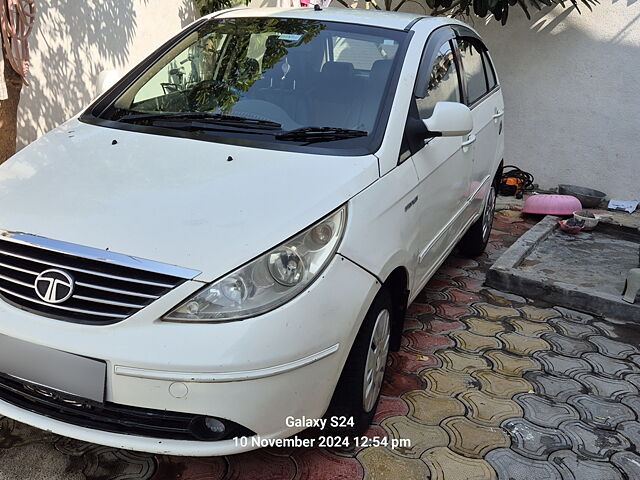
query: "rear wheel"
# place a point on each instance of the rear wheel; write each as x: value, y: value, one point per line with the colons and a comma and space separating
x: 358, y: 391
x: 475, y: 240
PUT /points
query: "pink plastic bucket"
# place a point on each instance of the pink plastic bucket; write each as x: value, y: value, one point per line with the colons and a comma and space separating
x: 551, y: 204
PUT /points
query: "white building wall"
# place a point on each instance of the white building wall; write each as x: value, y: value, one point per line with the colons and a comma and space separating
x: 570, y: 81
x: 571, y: 85
x: 75, y: 40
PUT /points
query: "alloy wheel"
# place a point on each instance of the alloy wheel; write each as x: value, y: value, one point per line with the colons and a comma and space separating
x: 487, y: 215
x: 376, y: 360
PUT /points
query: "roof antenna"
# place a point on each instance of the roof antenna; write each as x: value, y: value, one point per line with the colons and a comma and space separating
x: 317, y: 8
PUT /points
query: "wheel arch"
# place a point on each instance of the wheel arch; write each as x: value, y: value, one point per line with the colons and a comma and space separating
x: 498, y: 175
x: 397, y: 284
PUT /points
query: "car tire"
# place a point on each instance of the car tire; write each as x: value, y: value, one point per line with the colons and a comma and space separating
x: 358, y: 391
x: 474, y: 242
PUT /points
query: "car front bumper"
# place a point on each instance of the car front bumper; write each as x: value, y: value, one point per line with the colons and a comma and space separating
x: 255, y: 372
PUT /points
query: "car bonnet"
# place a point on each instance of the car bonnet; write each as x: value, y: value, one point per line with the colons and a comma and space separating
x: 196, y: 204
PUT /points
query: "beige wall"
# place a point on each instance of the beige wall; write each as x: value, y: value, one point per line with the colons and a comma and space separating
x: 74, y: 40
x: 571, y: 86
x: 569, y: 80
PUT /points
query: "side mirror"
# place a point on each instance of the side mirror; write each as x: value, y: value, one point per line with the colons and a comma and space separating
x: 450, y: 119
x: 106, y: 79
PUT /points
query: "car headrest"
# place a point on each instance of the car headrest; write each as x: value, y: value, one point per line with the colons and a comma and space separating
x: 338, y: 69
x: 380, y: 70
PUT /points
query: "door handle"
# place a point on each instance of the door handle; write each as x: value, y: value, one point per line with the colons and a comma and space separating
x: 498, y: 113
x: 470, y: 140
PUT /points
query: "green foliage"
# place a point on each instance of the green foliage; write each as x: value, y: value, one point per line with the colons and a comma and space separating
x: 205, y: 7
x: 498, y: 8
x: 226, y: 86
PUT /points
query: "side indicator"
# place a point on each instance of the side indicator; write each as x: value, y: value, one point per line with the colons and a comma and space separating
x: 411, y: 204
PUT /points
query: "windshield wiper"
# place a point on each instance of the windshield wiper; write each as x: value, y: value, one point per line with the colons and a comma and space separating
x: 203, y: 117
x: 320, y: 134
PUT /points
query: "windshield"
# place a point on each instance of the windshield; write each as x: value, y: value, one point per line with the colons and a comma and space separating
x: 277, y: 80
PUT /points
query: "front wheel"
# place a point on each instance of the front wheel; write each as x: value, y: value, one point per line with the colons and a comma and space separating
x: 475, y: 240
x: 358, y: 391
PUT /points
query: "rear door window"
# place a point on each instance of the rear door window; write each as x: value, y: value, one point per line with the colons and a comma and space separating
x: 473, y: 67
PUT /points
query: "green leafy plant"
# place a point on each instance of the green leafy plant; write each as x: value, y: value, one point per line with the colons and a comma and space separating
x: 481, y: 8
x: 498, y: 8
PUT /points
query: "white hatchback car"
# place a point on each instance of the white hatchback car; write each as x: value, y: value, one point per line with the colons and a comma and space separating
x: 223, y: 245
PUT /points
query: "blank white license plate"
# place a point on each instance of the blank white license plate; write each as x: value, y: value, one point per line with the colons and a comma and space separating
x: 53, y: 369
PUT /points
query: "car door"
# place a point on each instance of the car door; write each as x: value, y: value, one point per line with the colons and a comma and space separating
x: 483, y: 97
x: 443, y: 164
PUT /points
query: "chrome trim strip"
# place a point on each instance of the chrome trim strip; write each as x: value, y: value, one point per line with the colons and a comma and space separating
x: 436, y: 265
x: 443, y: 230
x: 16, y: 281
x: 23, y: 270
x: 90, y: 272
x: 83, y: 284
x: 116, y: 290
x: 224, y: 376
x: 98, y: 254
x: 447, y: 252
x: 425, y: 250
x: 482, y: 184
x: 107, y: 302
x: 53, y: 305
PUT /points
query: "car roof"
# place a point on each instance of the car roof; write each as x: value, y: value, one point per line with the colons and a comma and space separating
x: 374, y: 18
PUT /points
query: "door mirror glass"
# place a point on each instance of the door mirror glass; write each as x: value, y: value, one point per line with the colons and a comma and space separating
x: 105, y: 80
x: 450, y: 119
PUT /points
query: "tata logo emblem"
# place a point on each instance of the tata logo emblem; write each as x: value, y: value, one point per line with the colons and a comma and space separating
x: 54, y: 286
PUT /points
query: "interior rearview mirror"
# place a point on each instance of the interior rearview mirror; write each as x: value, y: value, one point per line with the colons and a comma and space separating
x: 105, y: 80
x: 450, y: 119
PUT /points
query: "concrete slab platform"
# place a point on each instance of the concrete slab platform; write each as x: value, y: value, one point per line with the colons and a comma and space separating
x: 584, y: 272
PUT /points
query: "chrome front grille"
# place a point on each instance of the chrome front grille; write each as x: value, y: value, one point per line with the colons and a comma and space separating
x: 108, y: 287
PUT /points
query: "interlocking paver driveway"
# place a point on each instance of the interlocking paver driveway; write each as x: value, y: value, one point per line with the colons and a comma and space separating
x: 487, y: 385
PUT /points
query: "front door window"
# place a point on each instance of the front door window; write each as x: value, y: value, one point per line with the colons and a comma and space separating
x: 443, y: 83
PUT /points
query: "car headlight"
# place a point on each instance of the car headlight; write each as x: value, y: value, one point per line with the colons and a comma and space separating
x: 268, y: 281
